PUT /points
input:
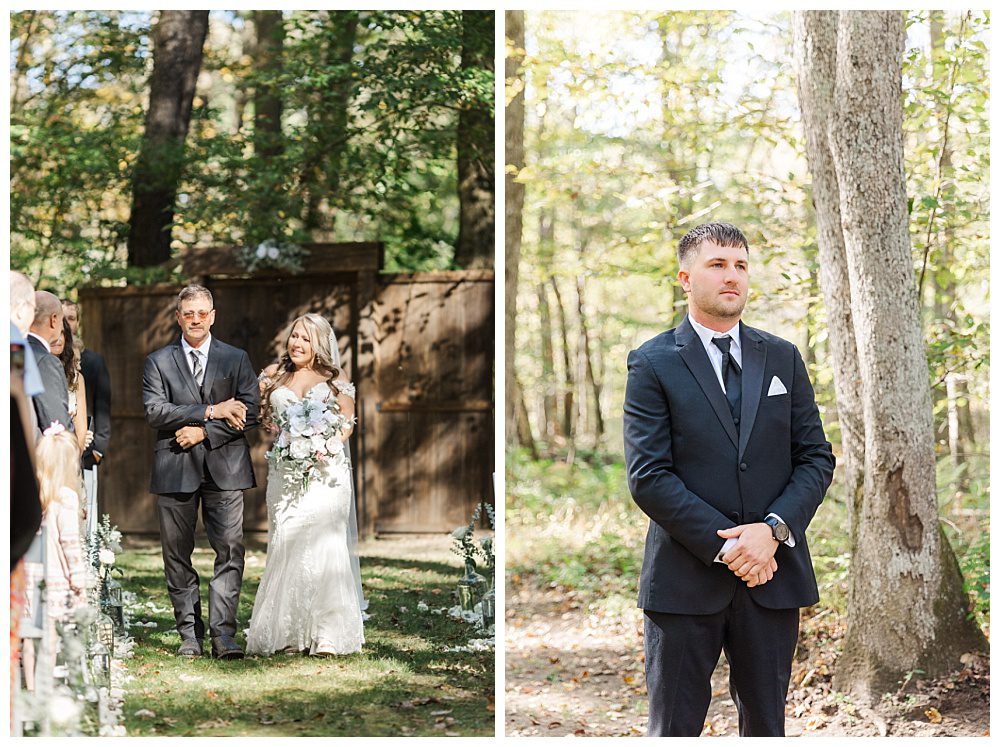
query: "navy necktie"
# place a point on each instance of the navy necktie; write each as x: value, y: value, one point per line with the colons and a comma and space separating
x: 731, y: 377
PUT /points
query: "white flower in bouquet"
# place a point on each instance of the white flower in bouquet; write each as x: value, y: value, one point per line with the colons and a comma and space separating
x: 261, y: 251
x: 282, y: 441
x: 318, y: 443
x: 334, y: 445
x: 301, y: 447
x: 106, y: 556
x: 273, y: 252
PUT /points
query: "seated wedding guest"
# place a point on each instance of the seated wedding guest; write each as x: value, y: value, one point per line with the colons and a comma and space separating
x: 65, y: 571
x: 68, y: 353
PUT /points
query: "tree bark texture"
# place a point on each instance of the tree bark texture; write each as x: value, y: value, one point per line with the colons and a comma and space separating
x: 178, y: 40
x: 476, y: 226
x: 906, y: 607
x: 268, y: 61
x: 815, y: 43
x: 513, y: 204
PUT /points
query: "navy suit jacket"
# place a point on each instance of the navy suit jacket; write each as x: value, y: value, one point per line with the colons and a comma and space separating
x: 692, y: 472
x: 172, y: 400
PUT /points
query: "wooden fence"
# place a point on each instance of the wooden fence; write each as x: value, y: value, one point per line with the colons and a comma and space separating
x: 419, y: 348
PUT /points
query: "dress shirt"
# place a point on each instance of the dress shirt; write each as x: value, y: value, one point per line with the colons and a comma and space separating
x: 201, y: 351
x: 714, y: 354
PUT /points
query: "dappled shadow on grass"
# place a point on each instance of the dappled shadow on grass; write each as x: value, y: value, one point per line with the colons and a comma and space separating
x: 392, y: 687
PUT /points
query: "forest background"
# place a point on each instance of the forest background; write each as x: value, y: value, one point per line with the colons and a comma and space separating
x: 307, y: 126
x: 639, y: 126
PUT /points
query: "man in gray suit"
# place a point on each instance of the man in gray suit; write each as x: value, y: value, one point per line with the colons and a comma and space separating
x: 200, y: 395
x: 52, y: 405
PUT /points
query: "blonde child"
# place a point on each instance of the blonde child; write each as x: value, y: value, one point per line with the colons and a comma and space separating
x: 57, y: 457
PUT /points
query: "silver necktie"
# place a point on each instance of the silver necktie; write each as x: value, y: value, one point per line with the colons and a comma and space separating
x: 199, y: 374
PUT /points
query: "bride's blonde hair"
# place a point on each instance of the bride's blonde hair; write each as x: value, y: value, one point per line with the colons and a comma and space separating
x: 320, y: 336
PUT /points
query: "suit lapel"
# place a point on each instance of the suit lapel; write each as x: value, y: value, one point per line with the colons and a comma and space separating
x: 693, y: 354
x: 211, y: 370
x: 754, y: 356
x: 184, y: 371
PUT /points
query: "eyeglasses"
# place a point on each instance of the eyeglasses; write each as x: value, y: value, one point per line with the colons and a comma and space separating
x: 189, y: 315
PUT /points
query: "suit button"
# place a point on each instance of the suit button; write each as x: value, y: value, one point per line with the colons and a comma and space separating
x: 743, y: 466
x: 735, y: 517
x: 736, y: 421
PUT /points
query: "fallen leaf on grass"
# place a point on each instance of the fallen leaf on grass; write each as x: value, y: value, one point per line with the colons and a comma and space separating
x: 555, y: 724
x: 144, y: 713
x: 218, y: 723
x: 441, y: 713
x: 211, y: 695
x: 933, y: 715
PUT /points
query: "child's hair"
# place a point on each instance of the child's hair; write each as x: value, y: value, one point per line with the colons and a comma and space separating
x: 57, y: 457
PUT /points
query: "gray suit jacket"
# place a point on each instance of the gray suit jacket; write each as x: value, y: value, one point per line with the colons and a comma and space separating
x: 52, y: 404
x: 693, y: 472
x: 172, y: 400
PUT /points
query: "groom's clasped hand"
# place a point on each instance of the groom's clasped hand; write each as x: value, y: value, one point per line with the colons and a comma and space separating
x: 232, y: 411
x: 752, y: 557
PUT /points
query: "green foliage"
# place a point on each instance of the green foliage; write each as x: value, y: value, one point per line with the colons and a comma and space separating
x: 639, y: 125
x: 380, y: 167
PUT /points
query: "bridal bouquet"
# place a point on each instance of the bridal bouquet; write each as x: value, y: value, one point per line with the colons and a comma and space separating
x: 310, y: 436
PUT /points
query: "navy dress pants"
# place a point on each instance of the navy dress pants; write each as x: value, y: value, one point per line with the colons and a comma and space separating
x: 683, y: 650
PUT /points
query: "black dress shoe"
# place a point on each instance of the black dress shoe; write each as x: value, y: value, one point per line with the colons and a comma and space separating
x: 190, y: 647
x: 226, y: 647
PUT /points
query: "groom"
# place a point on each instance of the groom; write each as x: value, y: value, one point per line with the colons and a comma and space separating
x: 726, y: 454
x: 200, y: 395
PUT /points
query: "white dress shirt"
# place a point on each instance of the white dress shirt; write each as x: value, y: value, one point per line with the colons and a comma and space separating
x: 201, y: 352
x: 715, y: 356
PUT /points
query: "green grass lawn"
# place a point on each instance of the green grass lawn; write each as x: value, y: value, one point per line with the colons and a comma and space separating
x: 402, y: 683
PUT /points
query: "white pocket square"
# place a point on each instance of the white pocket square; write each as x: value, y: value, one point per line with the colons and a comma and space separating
x: 776, y: 387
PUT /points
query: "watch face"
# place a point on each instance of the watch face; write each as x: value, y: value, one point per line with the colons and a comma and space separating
x: 782, y: 532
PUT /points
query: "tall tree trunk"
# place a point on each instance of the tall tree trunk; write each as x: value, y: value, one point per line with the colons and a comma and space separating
x: 269, y: 62
x: 548, y: 425
x: 815, y: 35
x: 906, y: 608
x: 178, y: 40
x: 523, y: 424
x: 513, y: 204
x: 329, y: 121
x: 592, y: 381
x: 476, y: 229
x: 569, y: 380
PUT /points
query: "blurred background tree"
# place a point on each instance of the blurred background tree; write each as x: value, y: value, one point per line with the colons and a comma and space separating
x: 301, y: 126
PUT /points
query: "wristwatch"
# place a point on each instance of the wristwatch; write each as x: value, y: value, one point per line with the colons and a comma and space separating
x: 779, y: 530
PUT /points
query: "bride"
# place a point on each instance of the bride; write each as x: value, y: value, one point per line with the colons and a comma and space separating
x: 309, y: 599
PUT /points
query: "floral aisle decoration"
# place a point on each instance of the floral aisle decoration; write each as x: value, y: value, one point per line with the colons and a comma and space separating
x: 272, y: 254
x: 85, y: 694
x: 476, y: 593
x: 310, y: 436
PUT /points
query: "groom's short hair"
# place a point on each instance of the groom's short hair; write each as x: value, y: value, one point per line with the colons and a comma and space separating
x: 191, y: 291
x: 723, y: 234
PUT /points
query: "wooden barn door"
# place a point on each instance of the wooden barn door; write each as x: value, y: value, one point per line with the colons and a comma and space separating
x: 427, y: 431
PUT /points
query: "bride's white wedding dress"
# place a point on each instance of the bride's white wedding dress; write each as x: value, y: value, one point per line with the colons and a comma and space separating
x: 308, y: 599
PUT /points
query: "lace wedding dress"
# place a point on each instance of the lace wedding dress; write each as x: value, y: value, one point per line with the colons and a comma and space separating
x: 308, y: 599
